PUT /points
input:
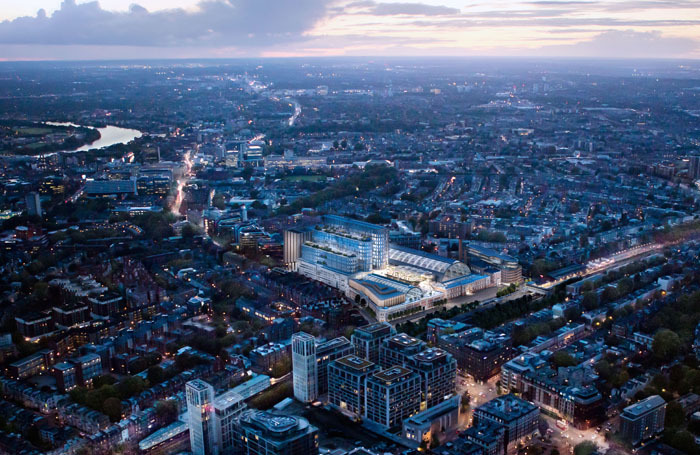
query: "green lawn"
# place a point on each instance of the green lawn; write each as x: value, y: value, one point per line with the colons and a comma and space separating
x: 35, y: 145
x: 29, y: 131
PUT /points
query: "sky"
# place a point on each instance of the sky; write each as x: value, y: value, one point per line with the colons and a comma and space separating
x: 123, y: 29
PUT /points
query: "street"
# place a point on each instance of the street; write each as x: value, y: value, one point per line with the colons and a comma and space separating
x: 479, y: 393
x: 566, y: 440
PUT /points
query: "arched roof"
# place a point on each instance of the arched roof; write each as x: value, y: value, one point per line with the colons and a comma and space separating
x: 437, y: 265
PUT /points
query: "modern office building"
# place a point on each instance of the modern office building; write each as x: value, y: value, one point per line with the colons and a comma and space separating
x: 33, y: 202
x: 643, y: 420
x: 335, y: 249
x: 347, y: 377
x: 391, y: 396
x: 694, y: 167
x: 437, y: 370
x: 518, y: 418
x: 310, y: 363
x: 200, y: 398
x: 262, y: 433
x: 378, y: 234
x: 325, y: 354
x: 368, y: 340
x: 397, y: 348
x: 227, y: 408
x: 158, y: 185
x: 293, y: 241
x: 110, y: 187
x: 304, y: 364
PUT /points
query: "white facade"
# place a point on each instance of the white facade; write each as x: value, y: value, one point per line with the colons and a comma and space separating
x: 200, y: 397
x: 227, y: 408
x: 304, y: 367
x: 323, y: 274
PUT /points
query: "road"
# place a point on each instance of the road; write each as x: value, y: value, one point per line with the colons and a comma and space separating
x: 566, y: 440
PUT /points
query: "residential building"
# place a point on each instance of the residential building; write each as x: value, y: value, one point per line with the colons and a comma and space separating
x: 347, y: 377
x: 66, y: 376
x: 489, y: 437
x: 304, y: 366
x: 397, y: 348
x: 528, y: 374
x: 643, y: 420
x: 325, y: 354
x: 227, y: 409
x: 391, y: 396
x: 200, y: 398
x: 368, y: 340
x: 437, y: 370
x: 88, y: 367
x: 478, y: 353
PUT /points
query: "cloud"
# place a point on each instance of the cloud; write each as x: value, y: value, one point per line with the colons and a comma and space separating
x: 400, y: 9
x: 240, y: 23
x: 627, y: 44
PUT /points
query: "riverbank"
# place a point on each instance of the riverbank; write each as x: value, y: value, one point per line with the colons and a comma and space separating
x: 26, y: 138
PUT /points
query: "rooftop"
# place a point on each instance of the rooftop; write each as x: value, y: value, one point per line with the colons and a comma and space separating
x: 507, y: 407
x: 430, y: 355
x: 354, y: 362
x: 392, y: 374
x: 644, y: 406
x: 404, y: 340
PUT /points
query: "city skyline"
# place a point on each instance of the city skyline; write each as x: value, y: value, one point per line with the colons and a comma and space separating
x: 119, y: 29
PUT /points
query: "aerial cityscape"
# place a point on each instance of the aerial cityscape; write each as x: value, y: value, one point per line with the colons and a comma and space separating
x: 373, y: 252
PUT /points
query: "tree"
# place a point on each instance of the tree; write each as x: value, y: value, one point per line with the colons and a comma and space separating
x: 112, y: 408
x: 675, y: 416
x: 247, y: 173
x: 625, y: 286
x: 155, y: 375
x: 188, y: 231
x: 282, y: 367
x: 130, y: 386
x: 609, y: 294
x: 590, y: 300
x: 585, y: 448
x: 166, y: 411
x: 604, y: 369
x: 466, y: 399
x: 666, y: 344
x: 684, y: 441
x: 563, y: 359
